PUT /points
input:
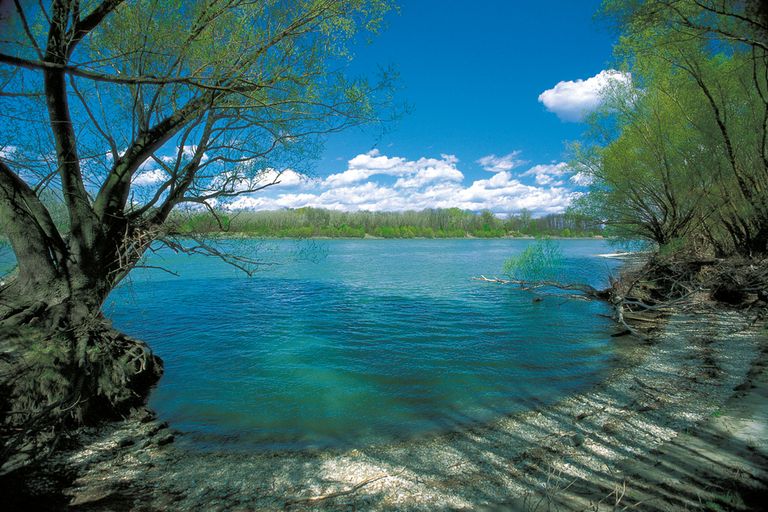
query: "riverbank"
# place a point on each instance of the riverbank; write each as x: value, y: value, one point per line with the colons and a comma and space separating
x: 239, y: 235
x: 677, y: 426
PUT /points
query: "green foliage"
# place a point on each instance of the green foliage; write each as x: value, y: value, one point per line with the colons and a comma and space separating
x: 208, y: 99
x: 289, y: 49
x: 679, y: 157
x: 541, y: 261
x: 433, y: 223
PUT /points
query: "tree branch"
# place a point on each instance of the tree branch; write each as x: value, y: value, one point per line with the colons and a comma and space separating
x: 113, y: 195
x: 82, y: 27
x: 39, y: 248
x: 82, y: 221
x: 124, y: 80
x: 27, y: 31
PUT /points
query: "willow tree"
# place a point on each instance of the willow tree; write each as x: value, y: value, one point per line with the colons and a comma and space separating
x: 687, y: 156
x: 128, y: 109
x: 644, y: 177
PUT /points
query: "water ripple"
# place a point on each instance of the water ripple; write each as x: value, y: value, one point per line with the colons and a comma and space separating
x: 342, y: 352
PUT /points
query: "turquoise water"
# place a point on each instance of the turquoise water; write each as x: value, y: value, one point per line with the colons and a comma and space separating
x: 342, y: 342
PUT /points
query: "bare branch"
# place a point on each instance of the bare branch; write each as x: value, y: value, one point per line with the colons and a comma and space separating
x: 27, y: 31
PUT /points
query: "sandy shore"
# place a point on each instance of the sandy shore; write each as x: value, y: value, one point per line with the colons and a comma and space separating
x: 680, y: 424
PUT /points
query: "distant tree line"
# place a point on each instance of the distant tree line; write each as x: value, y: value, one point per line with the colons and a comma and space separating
x: 430, y: 223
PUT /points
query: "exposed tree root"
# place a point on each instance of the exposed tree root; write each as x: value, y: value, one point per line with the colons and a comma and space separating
x: 643, y: 295
x: 53, y: 380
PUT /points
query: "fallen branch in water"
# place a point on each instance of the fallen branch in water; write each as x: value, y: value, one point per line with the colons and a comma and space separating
x: 531, y: 285
x: 609, y: 295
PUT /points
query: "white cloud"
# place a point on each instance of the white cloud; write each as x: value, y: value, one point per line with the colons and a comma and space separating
x: 493, y: 163
x: 412, y: 172
x: 108, y: 154
x: 182, y: 153
x: 548, y: 174
x: 151, y: 177
x: 501, y: 194
x: 581, y: 179
x: 572, y: 100
x: 189, y: 152
x: 349, y: 176
x: 374, y: 160
x: 430, y: 170
x: 7, y: 152
x: 363, y: 166
x: 284, y: 178
x: 367, y: 184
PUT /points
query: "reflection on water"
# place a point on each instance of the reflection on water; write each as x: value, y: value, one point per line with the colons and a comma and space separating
x: 371, y: 341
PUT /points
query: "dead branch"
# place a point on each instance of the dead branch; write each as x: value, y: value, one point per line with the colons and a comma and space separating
x: 314, y: 499
x: 586, y: 289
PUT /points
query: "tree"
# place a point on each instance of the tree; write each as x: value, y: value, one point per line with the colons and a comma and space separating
x: 684, y: 156
x: 127, y: 110
x: 645, y: 179
x: 539, y: 262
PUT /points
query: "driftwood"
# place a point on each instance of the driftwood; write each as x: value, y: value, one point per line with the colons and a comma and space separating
x: 586, y: 289
x: 314, y: 499
x: 609, y: 295
x: 643, y: 296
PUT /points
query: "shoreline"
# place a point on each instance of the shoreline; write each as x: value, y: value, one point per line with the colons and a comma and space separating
x: 245, y: 235
x: 574, y: 452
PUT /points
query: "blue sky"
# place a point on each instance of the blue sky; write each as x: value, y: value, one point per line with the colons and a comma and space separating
x: 496, y: 89
x: 478, y: 135
x: 473, y: 75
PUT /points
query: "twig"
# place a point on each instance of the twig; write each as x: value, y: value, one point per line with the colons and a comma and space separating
x: 314, y: 499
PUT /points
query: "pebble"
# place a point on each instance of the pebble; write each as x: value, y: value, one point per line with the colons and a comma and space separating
x: 126, y: 441
x: 577, y: 439
x: 164, y: 439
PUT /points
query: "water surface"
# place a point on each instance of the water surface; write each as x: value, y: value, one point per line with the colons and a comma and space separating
x: 344, y: 342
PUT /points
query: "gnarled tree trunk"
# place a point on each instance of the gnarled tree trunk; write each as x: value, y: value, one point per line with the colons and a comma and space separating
x: 206, y: 111
x: 61, y: 362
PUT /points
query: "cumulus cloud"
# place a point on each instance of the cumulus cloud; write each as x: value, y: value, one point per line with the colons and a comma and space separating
x: 284, y: 178
x: 493, y: 163
x: 375, y: 161
x: 368, y: 184
x: 150, y: 177
x: 572, y: 100
x: 581, y: 179
x: 412, y: 172
x: 429, y: 170
x: 548, y: 174
x: 363, y: 166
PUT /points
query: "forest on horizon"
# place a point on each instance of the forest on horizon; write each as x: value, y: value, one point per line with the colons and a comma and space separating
x: 429, y: 223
